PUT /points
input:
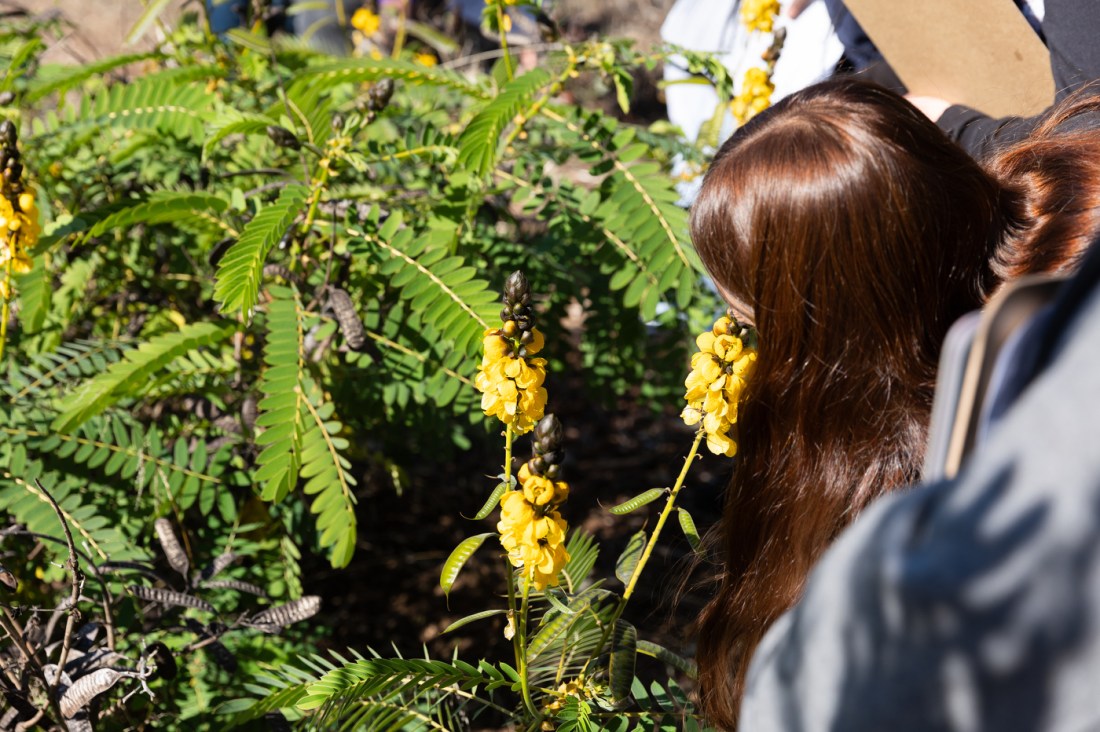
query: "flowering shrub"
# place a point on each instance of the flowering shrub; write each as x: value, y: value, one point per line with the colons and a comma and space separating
x: 241, y: 280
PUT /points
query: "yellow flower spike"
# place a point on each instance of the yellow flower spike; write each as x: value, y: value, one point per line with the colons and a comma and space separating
x: 366, y: 22
x: 538, y: 490
x: 715, y: 383
x: 21, y: 264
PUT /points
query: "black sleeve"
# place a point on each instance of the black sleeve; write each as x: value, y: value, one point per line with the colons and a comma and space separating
x: 1071, y: 28
x: 979, y: 134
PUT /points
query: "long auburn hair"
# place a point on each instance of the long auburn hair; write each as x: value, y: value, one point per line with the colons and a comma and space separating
x: 1056, y: 173
x: 856, y: 232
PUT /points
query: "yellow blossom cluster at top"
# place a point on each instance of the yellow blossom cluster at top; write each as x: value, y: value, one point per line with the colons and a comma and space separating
x: 18, y: 232
x: 755, y: 95
x: 759, y: 15
x: 510, y: 384
x: 532, y: 530
x: 366, y: 22
x: 718, y: 375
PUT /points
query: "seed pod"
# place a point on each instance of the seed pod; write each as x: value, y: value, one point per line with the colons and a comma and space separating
x: 8, y: 579
x: 280, y: 616
x: 222, y: 656
x: 170, y: 597
x: 379, y: 95
x: 355, y: 335
x: 177, y: 558
x: 238, y: 585
x: 249, y: 412
x: 276, y: 722
x: 283, y: 137
x: 218, y: 565
x: 218, y: 251
x: 163, y: 660
x: 86, y: 688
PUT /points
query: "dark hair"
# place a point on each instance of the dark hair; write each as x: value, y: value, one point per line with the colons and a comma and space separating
x: 1056, y: 173
x: 857, y: 233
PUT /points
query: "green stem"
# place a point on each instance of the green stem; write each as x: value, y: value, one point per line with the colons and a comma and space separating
x: 661, y: 521
x: 637, y: 573
x: 6, y: 307
x: 521, y: 658
x: 504, y: 43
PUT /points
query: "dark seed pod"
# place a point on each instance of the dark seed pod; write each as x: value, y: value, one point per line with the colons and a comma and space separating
x: 86, y: 688
x: 222, y: 656
x: 280, y: 616
x: 249, y: 412
x: 177, y: 558
x: 346, y: 316
x: 163, y: 659
x: 8, y: 579
x: 276, y: 722
x: 238, y: 585
x: 220, y: 563
x: 218, y: 251
x: 379, y: 95
x: 283, y: 137
x: 170, y: 597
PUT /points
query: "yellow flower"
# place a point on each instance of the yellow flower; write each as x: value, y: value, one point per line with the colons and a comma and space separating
x: 718, y: 375
x: 511, y: 386
x: 759, y: 15
x: 533, y: 537
x: 366, y: 22
x: 425, y: 59
x: 754, y: 97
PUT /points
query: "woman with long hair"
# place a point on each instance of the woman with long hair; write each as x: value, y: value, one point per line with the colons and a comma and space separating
x: 851, y: 232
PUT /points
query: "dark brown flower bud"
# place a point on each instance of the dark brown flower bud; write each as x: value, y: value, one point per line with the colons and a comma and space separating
x: 505, y: 313
x: 553, y: 471
x: 548, y: 432
x: 6, y: 98
x: 8, y: 133
x: 517, y: 291
x: 283, y: 137
x: 379, y: 95
x: 510, y: 328
x: 526, y: 337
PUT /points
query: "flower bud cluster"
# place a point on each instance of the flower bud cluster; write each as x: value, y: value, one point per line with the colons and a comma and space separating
x: 757, y: 87
x: 718, y: 375
x: 755, y: 95
x: 532, y: 530
x: 18, y: 212
x: 509, y: 379
x: 759, y: 15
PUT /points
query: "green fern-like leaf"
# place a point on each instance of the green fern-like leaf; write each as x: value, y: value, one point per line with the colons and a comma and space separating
x: 479, y: 143
x: 164, y: 207
x: 441, y: 289
x: 233, y: 122
x: 368, y: 69
x: 301, y: 434
x: 241, y: 269
x: 69, y: 363
x: 129, y: 375
x: 356, y: 682
x: 24, y: 500
x: 62, y: 78
x: 151, y: 103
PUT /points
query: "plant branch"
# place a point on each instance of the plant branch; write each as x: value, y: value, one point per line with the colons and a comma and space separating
x: 74, y: 594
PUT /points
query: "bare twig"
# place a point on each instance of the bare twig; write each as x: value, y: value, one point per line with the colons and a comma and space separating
x: 74, y: 595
